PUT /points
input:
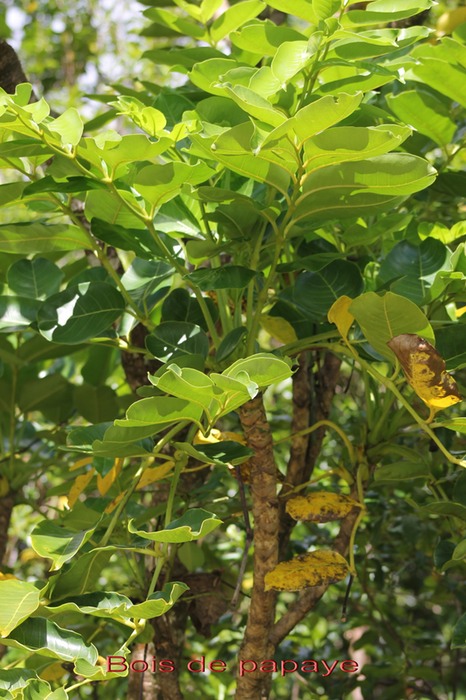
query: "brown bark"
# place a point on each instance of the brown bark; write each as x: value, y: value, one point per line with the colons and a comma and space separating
x: 169, y: 631
x: 142, y: 686
x: 11, y: 72
x: 263, y: 486
x: 6, y: 507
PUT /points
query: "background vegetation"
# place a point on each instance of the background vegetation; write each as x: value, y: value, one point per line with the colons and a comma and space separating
x: 213, y: 219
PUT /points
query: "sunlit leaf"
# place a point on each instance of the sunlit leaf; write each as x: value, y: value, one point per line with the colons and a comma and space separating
x: 18, y: 600
x: 193, y: 524
x: 54, y: 542
x: 340, y: 315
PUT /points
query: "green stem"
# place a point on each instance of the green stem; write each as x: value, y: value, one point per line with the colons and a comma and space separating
x: 316, y: 426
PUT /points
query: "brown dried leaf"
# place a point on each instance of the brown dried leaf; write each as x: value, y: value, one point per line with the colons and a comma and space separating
x: 425, y: 371
x: 306, y: 570
x: 321, y: 507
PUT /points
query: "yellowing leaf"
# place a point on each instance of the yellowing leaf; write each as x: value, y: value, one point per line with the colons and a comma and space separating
x: 340, y: 316
x: 8, y: 577
x: 113, y: 504
x: 79, y: 485
x: 279, y: 328
x: 53, y: 672
x: 460, y: 311
x: 214, y: 436
x: 81, y: 463
x: 321, y: 507
x: 152, y: 474
x: 307, y: 570
x: 424, y: 369
x: 105, y: 482
x: 448, y: 22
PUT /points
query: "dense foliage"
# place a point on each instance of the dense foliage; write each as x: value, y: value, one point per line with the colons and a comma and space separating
x: 228, y: 423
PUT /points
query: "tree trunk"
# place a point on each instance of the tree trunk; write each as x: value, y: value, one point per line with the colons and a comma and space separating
x: 6, y: 507
x: 263, y: 485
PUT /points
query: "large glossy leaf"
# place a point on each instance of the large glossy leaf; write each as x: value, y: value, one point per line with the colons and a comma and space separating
x: 349, y: 143
x: 225, y: 277
x: 458, y: 639
x: 383, y: 317
x: 223, y: 453
x: 192, y: 525
x: 80, y: 312
x: 115, y: 605
x: 83, y: 575
x: 441, y: 76
x: 154, y: 413
x: 160, y: 183
x: 18, y: 600
x: 34, y: 237
x: 410, y: 269
x: 234, y: 17
x: 34, y: 278
x: 174, y: 338
x: 17, y: 312
x: 362, y: 188
x: 263, y: 37
x: 315, y: 292
x: 263, y: 369
x: 385, y: 11
x: 54, y: 542
x: 423, y: 111
x: 47, y: 638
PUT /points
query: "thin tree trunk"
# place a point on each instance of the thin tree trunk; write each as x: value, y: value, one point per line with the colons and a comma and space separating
x: 6, y: 507
x: 263, y: 486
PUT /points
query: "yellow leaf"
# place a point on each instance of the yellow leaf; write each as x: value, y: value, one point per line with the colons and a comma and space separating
x: 152, y: 474
x: 8, y: 577
x: 279, y: 328
x: 321, y: 507
x: 460, y: 311
x: 53, y: 672
x: 213, y: 437
x: 81, y: 463
x: 424, y: 369
x: 306, y: 570
x: 105, y: 482
x: 340, y: 316
x: 113, y: 504
x: 79, y: 485
x: 447, y: 23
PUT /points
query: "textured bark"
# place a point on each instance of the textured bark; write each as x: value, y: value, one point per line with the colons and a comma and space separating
x: 11, y: 72
x: 309, y: 597
x: 169, y: 631
x: 6, y: 507
x: 142, y: 686
x: 312, y: 400
x: 263, y: 486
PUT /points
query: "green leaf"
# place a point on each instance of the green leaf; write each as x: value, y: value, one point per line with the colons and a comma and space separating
x: 83, y: 574
x: 263, y: 37
x: 68, y: 127
x: 362, y: 188
x: 160, y: 183
x: 96, y: 403
x: 225, y: 277
x: 187, y: 384
x: 263, y: 369
x: 424, y: 112
x: 48, y: 639
x: 441, y: 76
x: 456, y: 424
x: 402, y: 471
x: 351, y: 143
x: 315, y: 292
x: 458, y: 640
x: 383, y: 317
x: 411, y: 269
x: 34, y: 278
x: 174, y: 338
x: 384, y: 11
x: 18, y: 600
x: 290, y: 58
x: 80, y: 312
x: 57, y: 543
x: 325, y: 8
x: 154, y: 413
x: 300, y: 8
x: 235, y: 17
x: 34, y: 237
x: 456, y: 510
x: 192, y: 525
x: 460, y: 551
x: 17, y: 312
x: 114, y: 605
x: 46, y: 395
x: 16, y: 679
x: 221, y: 453
x: 114, y: 208
x: 230, y: 342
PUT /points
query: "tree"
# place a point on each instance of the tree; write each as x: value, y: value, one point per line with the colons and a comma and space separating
x: 227, y: 333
